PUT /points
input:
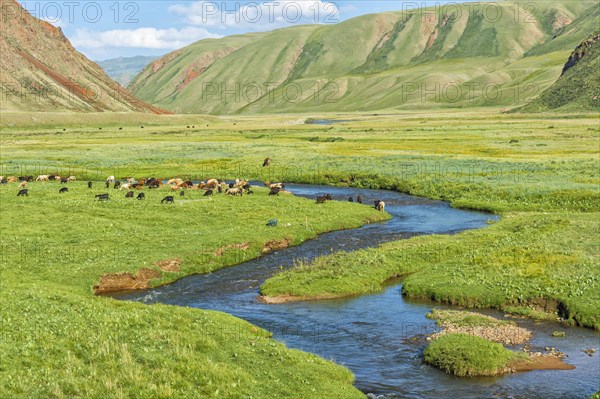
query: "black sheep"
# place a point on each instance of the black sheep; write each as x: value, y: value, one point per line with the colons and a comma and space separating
x: 63, y: 190
x: 168, y: 200
x: 103, y: 197
x: 141, y: 196
x: 23, y: 192
x: 129, y: 194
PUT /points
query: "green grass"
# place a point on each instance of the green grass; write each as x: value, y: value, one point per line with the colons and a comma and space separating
x: 469, y: 356
x: 58, y: 340
x: 542, y: 254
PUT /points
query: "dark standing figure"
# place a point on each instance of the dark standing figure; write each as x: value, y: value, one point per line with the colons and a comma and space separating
x: 267, y: 162
x: 350, y: 199
x: 168, y: 200
x: 129, y: 194
x: 117, y: 184
x: 89, y: 184
x: 141, y: 196
x: 107, y: 184
x: 359, y: 199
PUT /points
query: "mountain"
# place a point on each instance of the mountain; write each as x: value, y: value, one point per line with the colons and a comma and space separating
x: 479, y: 54
x: 578, y: 87
x: 124, y: 69
x: 41, y: 71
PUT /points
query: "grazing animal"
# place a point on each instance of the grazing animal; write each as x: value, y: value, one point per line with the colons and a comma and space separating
x: 72, y: 178
x: 89, y: 184
x: 107, y: 184
x: 139, y: 187
x: 103, y: 197
x: 23, y: 184
x: 42, y: 178
x: 189, y: 183
x: 64, y: 180
x: 231, y: 185
x: 212, y: 183
x: 208, y: 193
x: 235, y: 191
x: 275, y: 190
x: 182, y: 194
x: 154, y: 184
x: 359, y: 199
x: 3, y: 181
x: 129, y: 194
x: 267, y: 162
x: 23, y: 192
x: 350, y: 199
x: 324, y: 198
x: 111, y: 179
x: 131, y: 180
x: 125, y: 187
x: 117, y: 184
x: 176, y: 182
x: 141, y: 196
x: 250, y: 192
x: 272, y: 223
x: 52, y: 177
x: 380, y: 206
x: 57, y: 178
x: 168, y: 200
x: 12, y: 179
x: 63, y: 190
x: 26, y: 178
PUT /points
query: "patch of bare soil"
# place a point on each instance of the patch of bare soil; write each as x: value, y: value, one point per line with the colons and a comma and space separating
x: 170, y: 265
x: 243, y: 246
x: 274, y: 245
x: 115, y: 282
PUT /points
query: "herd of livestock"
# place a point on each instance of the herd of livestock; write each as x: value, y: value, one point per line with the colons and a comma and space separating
x: 209, y: 187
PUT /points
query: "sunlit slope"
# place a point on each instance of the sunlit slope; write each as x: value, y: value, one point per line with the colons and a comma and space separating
x: 578, y: 88
x: 41, y: 71
x: 500, y: 55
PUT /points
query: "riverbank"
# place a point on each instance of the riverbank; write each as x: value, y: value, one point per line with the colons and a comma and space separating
x: 60, y: 245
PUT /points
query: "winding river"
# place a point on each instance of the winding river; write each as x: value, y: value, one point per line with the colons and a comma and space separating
x: 371, y: 334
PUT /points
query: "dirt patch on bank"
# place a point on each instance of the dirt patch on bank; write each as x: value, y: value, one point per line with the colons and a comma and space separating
x: 544, y: 362
x: 115, y: 282
x: 275, y: 245
x: 170, y: 265
x: 243, y: 246
x: 281, y: 299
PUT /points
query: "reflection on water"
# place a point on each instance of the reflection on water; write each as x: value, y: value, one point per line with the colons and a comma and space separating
x: 371, y: 334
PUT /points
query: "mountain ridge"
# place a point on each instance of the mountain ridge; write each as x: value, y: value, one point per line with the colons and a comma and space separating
x: 41, y: 71
x: 374, y: 62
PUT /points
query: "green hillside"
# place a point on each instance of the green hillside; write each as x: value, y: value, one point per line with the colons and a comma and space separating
x: 461, y: 56
x: 578, y: 88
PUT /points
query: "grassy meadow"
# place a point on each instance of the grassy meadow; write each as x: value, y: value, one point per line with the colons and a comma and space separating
x: 540, y: 173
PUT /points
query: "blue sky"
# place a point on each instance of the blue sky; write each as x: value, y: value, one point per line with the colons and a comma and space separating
x: 108, y: 29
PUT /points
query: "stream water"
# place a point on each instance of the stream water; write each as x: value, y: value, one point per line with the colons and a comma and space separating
x: 371, y: 334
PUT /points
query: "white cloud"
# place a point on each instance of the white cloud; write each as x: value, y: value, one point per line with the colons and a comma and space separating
x: 146, y: 38
x: 257, y: 15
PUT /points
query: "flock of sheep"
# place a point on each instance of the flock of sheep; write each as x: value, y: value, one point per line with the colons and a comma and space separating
x: 210, y: 187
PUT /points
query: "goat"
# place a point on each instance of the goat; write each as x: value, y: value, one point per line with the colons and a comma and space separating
x: 168, y: 200
x: 23, y: 192
x: 380, y: 206
x: 208, y: 193
x: 350, y: 199
x: 64, y: 180
x: 235, y: 191
x: 111, y: 179
x: 359, y: 199
x: 103, y: 197
x: 23, y: 184
x: 125, y: 187
x: 182, y: 194
x: 71, y: 178
x: 63, y: 190
x: 89, y: 184
x: 117, y: 184
x: 275, y: 190
x: 129, y: 194
x: 267, y: 162
x: 141, y: 196
x: 42, y: 178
